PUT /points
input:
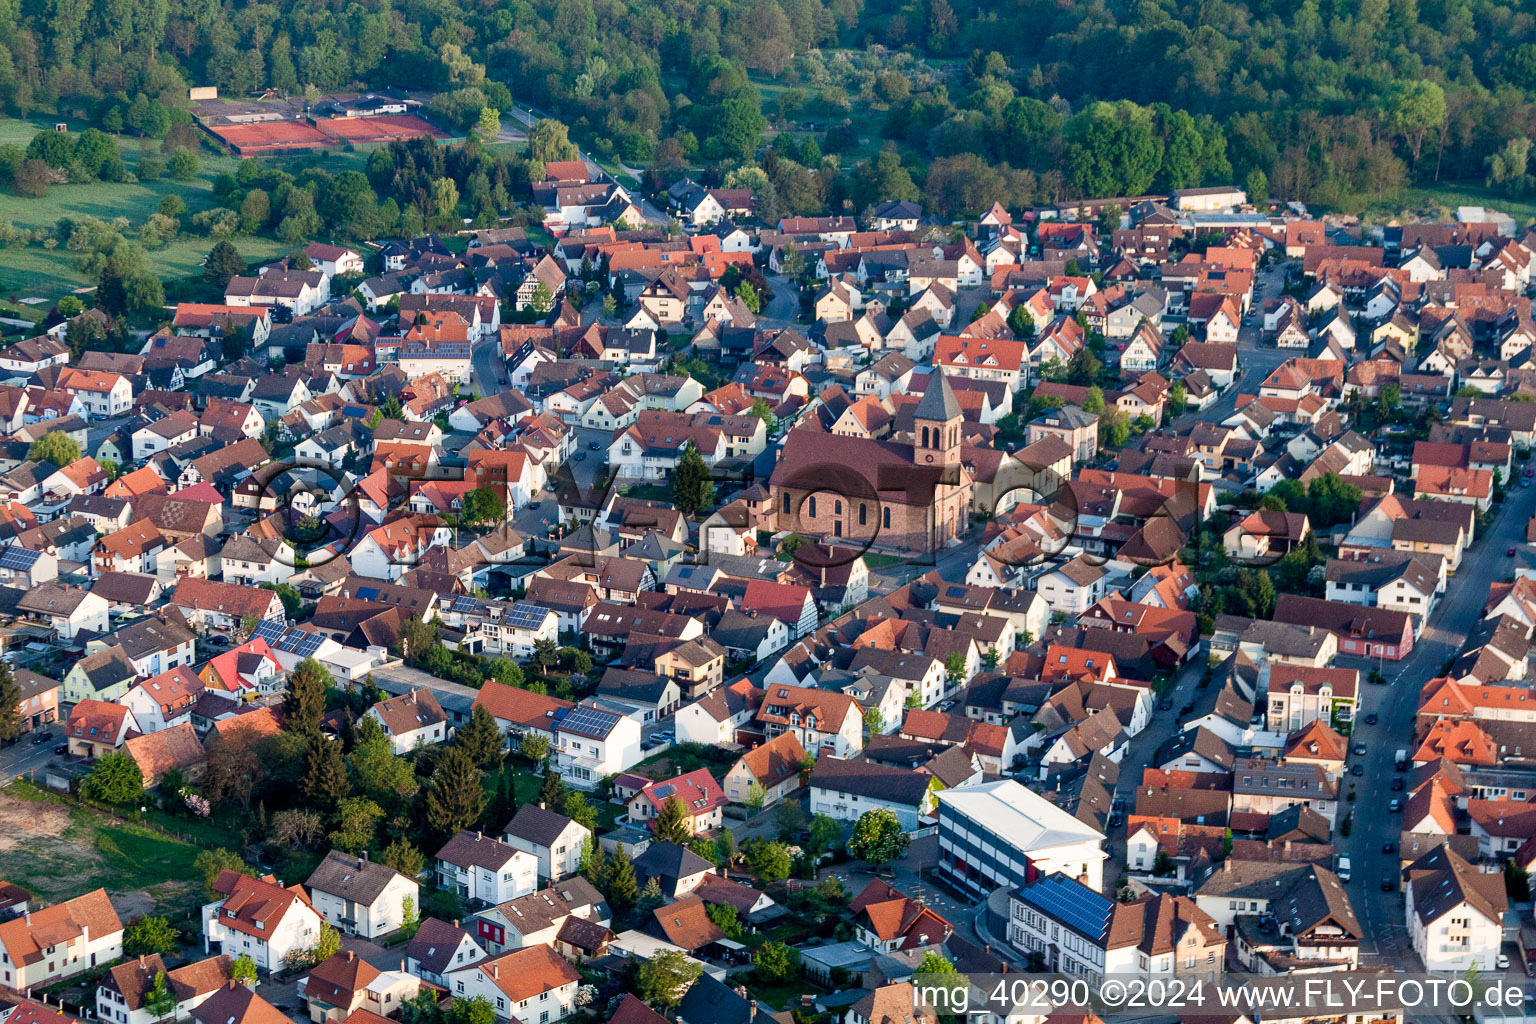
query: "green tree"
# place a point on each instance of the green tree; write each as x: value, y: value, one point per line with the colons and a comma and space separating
x: 483, y: 505
x: 410, y: 917
x: 663, y: 979
x: 214, y: 862
x: 115, y: 779
x: 726, y: 919
x: 1112, y: 149
x: 481, y: 738
x: 533, y: 747
x: 11, y: 718
x: 488, y: 125
x: 619, y: 881
x: 549, y: 141
x: 673, y: 823
x: 380, y: 773
x: 768, y: 860
x: 445, y: 197
x: 56, y: 447
x: 1414, y: 107
x: 692, y: 489
x: 776, y: 963
x: 580, y: 810
x: 650, y: 897
x: 160, y: 1000
x: 546, y: 652
x: 553, y: 793
x: 1020, y: 322
x: 183, y: 164
x: 404, y: 858
x: 357, y: 818
x: 244, y: 970
x: 763, y: 411
x: 878, y: 837
x: 788, y: 819
x: 1094, y: 401
x: 150, y: 934
x: 456, y: 798
x: 305, y: 701
x: 933, y: 962
x: 826, y: 832
x: 325, y: 782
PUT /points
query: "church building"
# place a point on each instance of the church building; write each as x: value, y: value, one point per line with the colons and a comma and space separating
x: 909, y: 497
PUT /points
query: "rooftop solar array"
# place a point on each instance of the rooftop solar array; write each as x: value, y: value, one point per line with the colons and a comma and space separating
x: 282, y: 637
x: 589, y: 722
x: 525, y: 615
x: 18, y: 558
x: 1072, y: 903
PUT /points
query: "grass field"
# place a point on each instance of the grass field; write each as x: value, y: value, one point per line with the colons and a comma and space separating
x: 1427, y: 201
x: 58, y: 851
x: 36, y: 271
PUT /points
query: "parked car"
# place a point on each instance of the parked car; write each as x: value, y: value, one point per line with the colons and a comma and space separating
x: 62, y: 748
x: 41, y: 738
x: 1397, y: 783
x: 1388, y: 846
x: 1357, y: 769
x: 1359, y: 749
x: 595, y: 446
x: 1370, y: 719
x: 1389, y: 885
x: 581, y: 456
x: 1395, y: 806
x: 1511, y: 551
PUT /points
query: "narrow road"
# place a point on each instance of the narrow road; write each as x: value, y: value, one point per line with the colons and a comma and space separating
x: 1382, y: 913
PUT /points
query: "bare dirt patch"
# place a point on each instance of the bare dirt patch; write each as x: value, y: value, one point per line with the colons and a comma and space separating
x: 22, y: 821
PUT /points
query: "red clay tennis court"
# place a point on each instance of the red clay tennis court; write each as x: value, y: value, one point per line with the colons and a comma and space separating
x: 380, y: 129
x: 271, y: 136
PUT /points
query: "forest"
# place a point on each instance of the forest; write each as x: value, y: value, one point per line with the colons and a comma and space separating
x: 956, y: 101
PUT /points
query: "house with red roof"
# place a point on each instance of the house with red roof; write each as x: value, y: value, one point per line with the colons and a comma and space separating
x: 43, y: 946
x: 794, y: 606
x: 98, y: 727
x: 699, y: 793
x: 886, y: 920
x: 259, y: 917
x: 216, y: 605
x: 243, y: 673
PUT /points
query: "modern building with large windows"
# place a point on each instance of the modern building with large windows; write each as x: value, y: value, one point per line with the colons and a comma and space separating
x: 1003, y: 834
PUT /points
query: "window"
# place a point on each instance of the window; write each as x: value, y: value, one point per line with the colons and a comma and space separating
x: 837, y: 507
x: 885, y: 516
x: 863, y: 513
x: 811, y: 504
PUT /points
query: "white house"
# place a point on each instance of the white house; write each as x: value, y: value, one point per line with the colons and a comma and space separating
x: 820, y: 719
x: 478, y: 867
x: 360, y: 896
x: 260, y: 918
x: 1455, y: 912
x: 847, y: 790
x: 591, y: 745
x: 387, y: 552
x: 61, y: 941
x: 411, y: 720
x: 532, y: 984
x: 120, y: 996
x: 437, y: 948
x: 1074, y: 587
x: 554, y: 840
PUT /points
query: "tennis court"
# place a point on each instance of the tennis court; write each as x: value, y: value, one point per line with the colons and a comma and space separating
x: 271, y: 137
x: 379, y: 129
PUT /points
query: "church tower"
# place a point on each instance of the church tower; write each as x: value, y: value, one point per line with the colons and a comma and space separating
x: 936, y: 425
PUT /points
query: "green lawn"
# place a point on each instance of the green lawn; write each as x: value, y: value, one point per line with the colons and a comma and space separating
x: 60, y: 851
x: 1428, y: 200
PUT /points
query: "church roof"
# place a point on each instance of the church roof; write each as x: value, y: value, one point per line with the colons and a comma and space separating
x: 938, y: 403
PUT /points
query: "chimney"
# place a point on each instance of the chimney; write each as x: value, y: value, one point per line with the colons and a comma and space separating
x: 455, y: 922
x: 351, y: 956
x: 541, y: 805
x: 496, y: 970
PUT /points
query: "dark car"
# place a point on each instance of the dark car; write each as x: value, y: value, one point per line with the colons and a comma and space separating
x: 1388, y: 846
x: 62, y: 748
x: 1510, y: 552
x: 595, y: 446
x: 1357, y: 769
x: 218, y: 640
x: 1397, y: 783
x: 1370, y: 719
x: 1389, y: 885
x: 1165, y: 704
x: 41, y: 738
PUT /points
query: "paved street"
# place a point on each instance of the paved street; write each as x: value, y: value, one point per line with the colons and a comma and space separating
x: 1462, y: 605
x: 22, y: 757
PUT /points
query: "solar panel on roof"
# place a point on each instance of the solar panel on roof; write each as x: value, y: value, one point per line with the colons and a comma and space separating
x: 464, y: 603
x: 525, y: 615
x: 19, y: 558
x: 1072, y: 903
x: 589, y: 722
x: 269, y: 630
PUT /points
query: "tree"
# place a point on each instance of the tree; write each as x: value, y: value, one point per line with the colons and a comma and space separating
x: 325, y: 783
x: 474, y: 1010
x: 553, y: 793
x: 456, y: 798
x: 580, y: 810
x: 650, y: 897
x: 481, y: 738
x: 619, y: 878
x: 150, y: 935
x: 776, y: 963
x: 183, y: 164
x: 933, y: 962
x: 673, y: 824
x: 160, y: 1000
x: 213, y: 863
x: 726, y: 919
x: 878, y: 837
x: 445, y: 197
x: 410, y: 917
x: 222, y: 263
x: 483, y: 505
x: 1020, y: 322
x: 1093, y: 401
x: 11, y: 718
x: 115, y: 779
x: 488, y: 125
x: 32, y: 178
x: 1413, y: 108
x: 826, y: 832
x: 306, y: 697
x: 325, y: 947
x: 692, y: 489
x: 788, y: 819
x: 663, y: 978
x: 763, y: 411
x: 549, y: 141
x: 380, y: 773
x: 768, y: 860
x: 533, y: 747
x: 356, y: 820
x: 244, y: 970
x: 56, y: 447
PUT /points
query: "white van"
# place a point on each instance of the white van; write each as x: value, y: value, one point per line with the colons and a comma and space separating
x: 1343, y: 869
